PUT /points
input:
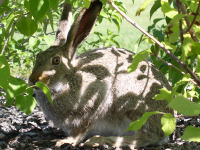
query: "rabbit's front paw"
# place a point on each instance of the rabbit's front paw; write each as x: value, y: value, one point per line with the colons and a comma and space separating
x: 110, y: 142
x: 96, y: 141
x: 69, y: 140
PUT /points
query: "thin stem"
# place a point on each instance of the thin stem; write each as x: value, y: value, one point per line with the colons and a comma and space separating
x: 184, y: 66
x: 45, y: 26
x: 194, y: 19
x: 9, y: 34
x: 173, y: 66
x: 184, y: 11
x: 181, y: 31
x: 180, y: 24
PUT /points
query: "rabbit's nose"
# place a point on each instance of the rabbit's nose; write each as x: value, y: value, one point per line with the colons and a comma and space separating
x: 32, y: 81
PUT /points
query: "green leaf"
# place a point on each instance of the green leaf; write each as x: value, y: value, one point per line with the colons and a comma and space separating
x: 29, y: 90
x: 174, y: 27
x: 196, y: 47
x: 4, y: 72
x: 86, y: 3
x: 46, y: 90
x: 26, y: 26
x: 10, y: 102
x: 143, y: 7
x: 48, y: 40
x: 168, y: 123
x: 137, y: 58
x: 104, y: 14
x: 53, y: 4
x: 25, y: 103
x: 155, y: 7
x: 38, y: 8
x: 191, y: 134
x: 26, y: 4
x: 164, y: 95
x: 186, y: 48
x: 136, y: 125
x: 184, y: 80
x: 198, y: 65
x: 15, y: 87
x: 167, y: 10
x: 133, y: 1
x: 117, y: 24
x: 33, y: 42
x: 184, y: 106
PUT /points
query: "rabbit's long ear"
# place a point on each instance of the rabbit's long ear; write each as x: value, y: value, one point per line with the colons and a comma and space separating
x: 82, y: 27
x: 64, y: 25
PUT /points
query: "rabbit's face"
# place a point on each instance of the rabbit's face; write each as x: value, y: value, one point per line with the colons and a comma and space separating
x: 49, y: 67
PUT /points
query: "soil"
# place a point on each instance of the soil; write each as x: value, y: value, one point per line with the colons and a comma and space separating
x: 32, y: 132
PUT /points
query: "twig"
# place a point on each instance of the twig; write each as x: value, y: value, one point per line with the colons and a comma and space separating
x: 181, y: 31
x: 184, y: 66
x: 180, y: 24
x: 6, y: 42
x: 45, y: 26
x: 184, y: 11
x: 194, y: 19
x: 183, y: 73
x: 171, y: 65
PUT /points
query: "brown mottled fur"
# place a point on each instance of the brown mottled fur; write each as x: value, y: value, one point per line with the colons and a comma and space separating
x: 93, y: 94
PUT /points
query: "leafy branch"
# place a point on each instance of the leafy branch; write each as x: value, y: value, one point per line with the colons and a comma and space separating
x: 11, y: 30
x: 194, y: 19
x: 176, y: 68
x: 184, y: 11
x: 167, y: 51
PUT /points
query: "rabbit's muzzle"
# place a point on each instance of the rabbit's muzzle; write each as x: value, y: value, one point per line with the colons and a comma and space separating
x: 43, y: 77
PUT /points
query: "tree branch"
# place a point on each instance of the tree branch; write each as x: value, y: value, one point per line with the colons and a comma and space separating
x: 6, y: 41
x: 184, y: 66
x: 184, y: 11
x: 176, y: 68
x: 181, y: 27
x: 171, y: 65
x: 194, y: 19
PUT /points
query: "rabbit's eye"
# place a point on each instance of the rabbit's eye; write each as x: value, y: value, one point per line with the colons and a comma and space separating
x: 56, y: 60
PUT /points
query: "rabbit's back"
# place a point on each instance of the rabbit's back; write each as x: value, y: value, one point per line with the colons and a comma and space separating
x: 115, y: 97
x: 111, y: 96
x: 111, y: 65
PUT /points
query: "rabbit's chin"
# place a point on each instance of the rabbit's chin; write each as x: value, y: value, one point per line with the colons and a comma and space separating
x: 47, y: 108
x: 58, y: 88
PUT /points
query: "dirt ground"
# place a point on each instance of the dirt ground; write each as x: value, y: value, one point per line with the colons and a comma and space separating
x: 19, y: 131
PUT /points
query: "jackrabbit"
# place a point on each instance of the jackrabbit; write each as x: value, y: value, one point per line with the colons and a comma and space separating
x: 93, y: 94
